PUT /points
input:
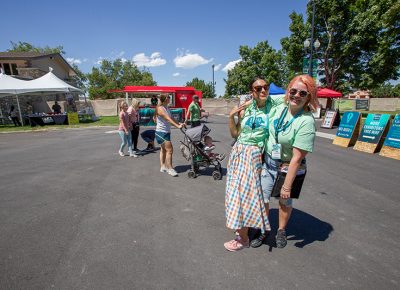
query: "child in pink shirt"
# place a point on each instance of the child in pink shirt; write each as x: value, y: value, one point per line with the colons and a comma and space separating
x: 124, y: 130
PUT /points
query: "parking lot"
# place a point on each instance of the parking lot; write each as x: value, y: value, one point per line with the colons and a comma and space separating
x: 76, y: 215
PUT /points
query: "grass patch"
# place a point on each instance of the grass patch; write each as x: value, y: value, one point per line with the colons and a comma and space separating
x: 101, y: 121
x: 345, y: 105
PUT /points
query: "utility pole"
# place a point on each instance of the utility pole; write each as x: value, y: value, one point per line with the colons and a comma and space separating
x: 310, y: 68
x: 213, y: 83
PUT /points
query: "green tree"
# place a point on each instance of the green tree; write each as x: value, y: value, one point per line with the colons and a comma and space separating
x: 116, y: 74
x: 79, y: 80
x: 201, y: 85
x: 27, y: 47
x: 359, y: 41
x: 386, y: 90
x: 292, y: 46
x: 262, y: 60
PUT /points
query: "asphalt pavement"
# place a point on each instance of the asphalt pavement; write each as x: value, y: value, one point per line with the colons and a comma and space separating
x: 76, y: 215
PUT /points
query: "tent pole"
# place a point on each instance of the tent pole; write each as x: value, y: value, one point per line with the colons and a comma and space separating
x: 126, y: 97
x: 19, y: 110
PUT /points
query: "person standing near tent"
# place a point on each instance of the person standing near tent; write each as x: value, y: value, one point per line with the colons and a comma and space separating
x: 14, y: 116
x: 124, y: 130
x: 244, y: 203
x: 291, y: 137
x: 163, y: 134
x: 133, y: 112
x: 56, y: 108
x: 194, y: 111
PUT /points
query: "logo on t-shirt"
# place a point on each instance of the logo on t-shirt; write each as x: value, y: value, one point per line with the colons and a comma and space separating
x: 254, y: 123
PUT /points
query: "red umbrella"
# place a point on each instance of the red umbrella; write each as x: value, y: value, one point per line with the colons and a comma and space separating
x: 327, y: 93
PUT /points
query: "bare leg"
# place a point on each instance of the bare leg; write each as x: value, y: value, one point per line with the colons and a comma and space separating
x: 168, y: 156
x: 163, y: 153
x: 267, y: 208
x: 284, y: 215
x: 244, y: 234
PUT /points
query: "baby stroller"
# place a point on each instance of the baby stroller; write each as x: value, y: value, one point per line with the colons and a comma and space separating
x: 192, y: 149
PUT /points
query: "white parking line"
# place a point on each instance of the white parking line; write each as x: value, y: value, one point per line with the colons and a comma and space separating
x: 325, y: 135
x: 111, y: 132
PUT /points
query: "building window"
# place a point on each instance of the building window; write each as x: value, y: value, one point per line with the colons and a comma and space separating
x: 14, y: 69
x: 7, y: 68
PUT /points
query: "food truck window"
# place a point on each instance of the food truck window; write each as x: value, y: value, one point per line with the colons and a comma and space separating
x: 172, y: 98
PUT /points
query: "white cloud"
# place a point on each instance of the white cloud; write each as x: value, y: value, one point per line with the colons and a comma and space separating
x: 119, y: 55
x: 217, y: 67
x: 99, y: 60
x: 190, y: 60
x: 176, y: 74
x: 155, y: 59
x: 231, y: 65
x: 85, y: 60
x: 72, y: 60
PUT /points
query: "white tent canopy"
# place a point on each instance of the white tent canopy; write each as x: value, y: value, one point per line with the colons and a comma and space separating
x: 48, y: 83
x: 10, y: 85
x: 51, y: 83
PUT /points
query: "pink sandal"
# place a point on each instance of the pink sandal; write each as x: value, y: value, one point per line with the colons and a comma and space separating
x: 236, y: 245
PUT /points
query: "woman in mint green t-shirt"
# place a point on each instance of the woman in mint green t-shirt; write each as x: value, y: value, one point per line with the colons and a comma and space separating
x: 244, y: 203
x: 291, y: 137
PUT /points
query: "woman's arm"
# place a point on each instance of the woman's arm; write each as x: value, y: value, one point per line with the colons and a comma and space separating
x: 124, y: 125
x: 295, y: 162
x: 187, y: 114
x: 235, y: 128
x: 164, y: 115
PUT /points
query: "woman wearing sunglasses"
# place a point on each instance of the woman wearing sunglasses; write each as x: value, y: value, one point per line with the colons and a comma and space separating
x: 163, y: 134
x: 244, y: 203
x: 291, y: 137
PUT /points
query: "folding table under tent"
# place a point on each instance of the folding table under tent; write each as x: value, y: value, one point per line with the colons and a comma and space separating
x: 48, y: 83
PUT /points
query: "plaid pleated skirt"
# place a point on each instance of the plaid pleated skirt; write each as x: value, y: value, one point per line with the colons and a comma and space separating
x: 244, y: 202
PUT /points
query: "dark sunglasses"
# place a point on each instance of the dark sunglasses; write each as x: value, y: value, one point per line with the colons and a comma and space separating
x: 258, y: 89
x: 294, y: 92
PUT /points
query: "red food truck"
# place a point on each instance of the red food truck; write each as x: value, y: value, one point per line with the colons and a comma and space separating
x: 181, y: 97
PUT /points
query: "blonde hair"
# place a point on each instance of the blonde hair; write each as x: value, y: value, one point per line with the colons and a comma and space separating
x: 312, y: 102
x: 122, y: 104
x: 135, y: 103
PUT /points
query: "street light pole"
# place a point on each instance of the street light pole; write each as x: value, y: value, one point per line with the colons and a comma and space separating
x: 213, y: 83
x: 310, y: 68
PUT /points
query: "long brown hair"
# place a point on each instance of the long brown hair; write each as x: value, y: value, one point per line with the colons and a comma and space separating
x: 312, y: 102
x: 162, y: 98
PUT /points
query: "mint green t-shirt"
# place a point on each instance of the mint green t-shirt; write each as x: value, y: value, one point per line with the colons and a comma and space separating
x: 299, y: 134
x: 255, y: 122
x: 195, y: 112
x: 254, y: 125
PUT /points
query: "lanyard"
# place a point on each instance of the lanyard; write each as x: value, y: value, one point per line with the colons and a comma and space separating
x: 280, y: 127
x: 253, y: 126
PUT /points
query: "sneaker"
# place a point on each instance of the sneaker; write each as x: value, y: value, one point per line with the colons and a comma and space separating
x: 133, y: 154
x: 281, y: 240
x: 172, y: 172
x: 236, y: 245
x: 163, y: 169
x: 259, y: 241
x: 121, y: 153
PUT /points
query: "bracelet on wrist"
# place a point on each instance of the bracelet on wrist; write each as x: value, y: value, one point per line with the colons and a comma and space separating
x: 287, y: 189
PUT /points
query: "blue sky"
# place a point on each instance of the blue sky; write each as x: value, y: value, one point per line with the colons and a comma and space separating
x: 176, y: 40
